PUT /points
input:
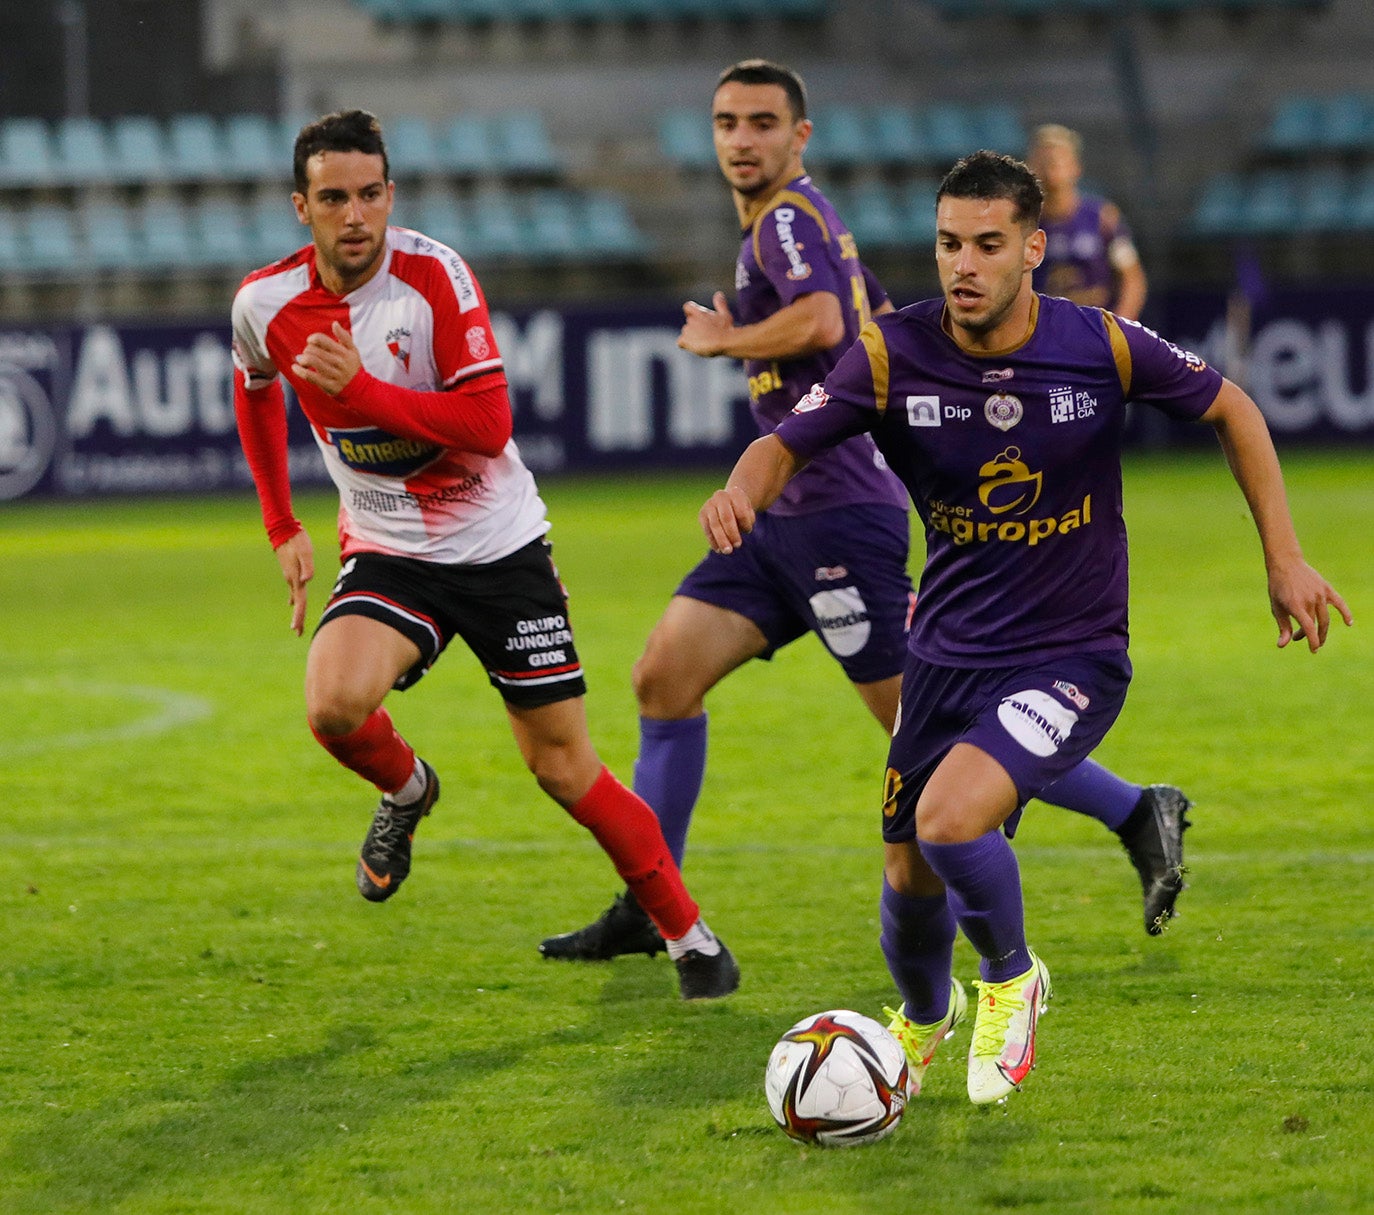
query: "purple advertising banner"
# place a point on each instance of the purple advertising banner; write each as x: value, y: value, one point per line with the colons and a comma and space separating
x: 114, y: 408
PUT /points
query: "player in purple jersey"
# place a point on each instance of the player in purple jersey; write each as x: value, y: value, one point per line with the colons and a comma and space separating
x: 1002, y: 412
x: 830, y: 556
x: 1090, y: 257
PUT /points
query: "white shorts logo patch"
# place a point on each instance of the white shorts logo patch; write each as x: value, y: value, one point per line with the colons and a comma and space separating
x: 842, y: 617
x: 1036, y: 720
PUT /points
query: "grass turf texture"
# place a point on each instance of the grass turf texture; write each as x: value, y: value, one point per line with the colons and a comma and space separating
x: 200, y: 1015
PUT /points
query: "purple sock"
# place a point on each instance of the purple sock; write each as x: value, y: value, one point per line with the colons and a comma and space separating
x: 669, y: 772
x: 918, y: 943
x: 983, y: 885
x: 1092, y: 790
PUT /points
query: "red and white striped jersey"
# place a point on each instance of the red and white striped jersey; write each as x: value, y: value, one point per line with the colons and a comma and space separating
x: 420, y: 322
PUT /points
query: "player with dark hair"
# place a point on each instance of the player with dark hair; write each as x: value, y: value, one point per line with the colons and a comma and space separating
x: 1017, y: 662
x: 830, y: 555
x: 384, y: 335
x: 1090, y: 257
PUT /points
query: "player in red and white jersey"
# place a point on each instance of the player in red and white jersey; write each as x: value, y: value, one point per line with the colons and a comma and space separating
x: 385, y: 337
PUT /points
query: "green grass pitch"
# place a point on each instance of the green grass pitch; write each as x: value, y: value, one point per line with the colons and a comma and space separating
x: 199, y: 1014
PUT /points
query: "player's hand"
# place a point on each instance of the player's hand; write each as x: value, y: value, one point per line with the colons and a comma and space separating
x: 329, y: 362
x: 1298, y: 593
x: 705, y: 331
x: 727, y: 516
x: 297, y: 560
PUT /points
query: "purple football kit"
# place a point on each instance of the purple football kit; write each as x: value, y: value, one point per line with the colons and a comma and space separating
x: 1018, y: 639
x: 1078, y: 250
x: 830, y: 555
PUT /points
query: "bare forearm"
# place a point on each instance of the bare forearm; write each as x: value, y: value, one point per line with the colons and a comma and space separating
x: 759, y: 476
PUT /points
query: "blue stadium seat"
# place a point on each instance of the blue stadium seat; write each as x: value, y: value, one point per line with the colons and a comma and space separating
x: 609, y: 228
x: 11, y: 257
x: 273, y: 229
x: 195, y: 150
x: 81, y: 153
x: 50, y: 242
x: 26, y: 157
x: 520, y: 143
x: 438, y: 215
x: 1323, y: 199
x: 465, y: 146
x: 684, y: 138
x: 951, y: 133
x: 999, y: 128
x: 554, y: 225
x: 222, y: 235
x: 839, y: 138
x: 1293, y: 130
x: 1219, y: 208
x: 897, y: 136
x: 874, y: 218
x: 165, y: 235
x: 251, y: 147
x: 918, y: 209
x: 1359, y: 213
x: 497, y: 225
x: 1345, y: 123
x: 138, y: 150
x: 1271, y: 204
x: 110, y: 240
x: 411, y: 147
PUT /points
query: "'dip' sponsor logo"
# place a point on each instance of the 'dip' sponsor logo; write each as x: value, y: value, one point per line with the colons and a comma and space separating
x: 370, y: 450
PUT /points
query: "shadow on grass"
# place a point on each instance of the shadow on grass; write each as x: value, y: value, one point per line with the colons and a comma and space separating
x: 265, y: 1116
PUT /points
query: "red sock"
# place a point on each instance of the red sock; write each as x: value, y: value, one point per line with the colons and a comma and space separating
x: 374, y: 751
x: 629, y: 832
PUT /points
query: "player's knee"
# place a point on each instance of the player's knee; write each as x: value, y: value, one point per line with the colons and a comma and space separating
x: 563, y: 773
x: 939, y: 821
x: 335, y: 713
x: 661, y: 691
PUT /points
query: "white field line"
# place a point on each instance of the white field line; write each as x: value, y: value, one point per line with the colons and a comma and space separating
x: 163, y: 710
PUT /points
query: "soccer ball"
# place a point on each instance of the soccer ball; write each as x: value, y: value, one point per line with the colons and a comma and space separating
x: 837, y: 1079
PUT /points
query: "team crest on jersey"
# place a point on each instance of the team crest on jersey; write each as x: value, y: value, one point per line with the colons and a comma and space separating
x: 1003, y: 410
x: 478, y: 346
x: 398, y: 342
x: 998, y: 376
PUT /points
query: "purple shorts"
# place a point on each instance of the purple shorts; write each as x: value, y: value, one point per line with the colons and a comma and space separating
x: 1038, y: 721
x: 839, y: 573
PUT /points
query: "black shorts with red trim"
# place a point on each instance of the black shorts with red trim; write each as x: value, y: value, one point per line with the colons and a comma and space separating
x: 512, y: 613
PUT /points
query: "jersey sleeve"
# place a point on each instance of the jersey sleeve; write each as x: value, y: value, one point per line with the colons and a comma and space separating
x: 877, y: 296
x: 789, y: 239
x: 253, y: 366
x: 851, y: 401
x: 1156, y: 372
x: 464, y: 345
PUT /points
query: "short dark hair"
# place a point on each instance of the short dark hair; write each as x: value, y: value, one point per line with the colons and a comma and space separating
x: 764, y: 71
x: 989, y: 175
x: 342, y: 131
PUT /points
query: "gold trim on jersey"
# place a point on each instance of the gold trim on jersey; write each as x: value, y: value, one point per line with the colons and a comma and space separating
x: 876, y: 346
x: 801, y: 202
x: 948, y: 327
x: 1121, y: 352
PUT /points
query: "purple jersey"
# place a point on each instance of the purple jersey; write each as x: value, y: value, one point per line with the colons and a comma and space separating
x: 1013, y: 461
x: 795, y: 246
x: 1078, y: 252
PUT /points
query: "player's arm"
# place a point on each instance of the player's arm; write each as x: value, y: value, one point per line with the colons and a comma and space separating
x: 474, y: 415
x: 809, y: 324
x: 1297, y: 592
x: 759, y: 476
x: 261, y: 416
x: 1131, y: 283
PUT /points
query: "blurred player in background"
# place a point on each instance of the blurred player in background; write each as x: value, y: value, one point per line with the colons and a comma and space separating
x: 830, y: 555
x: 385, y: 337
x: 1089, y: 255
x: 1017, y: 663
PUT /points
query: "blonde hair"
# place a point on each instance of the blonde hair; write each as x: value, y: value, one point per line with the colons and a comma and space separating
x: 1053, y: 132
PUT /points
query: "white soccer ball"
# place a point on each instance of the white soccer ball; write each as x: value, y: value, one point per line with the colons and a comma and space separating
x: 837, y: 1079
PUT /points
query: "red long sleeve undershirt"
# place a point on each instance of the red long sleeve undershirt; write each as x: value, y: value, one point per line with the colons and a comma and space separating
x: 473, y: 417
